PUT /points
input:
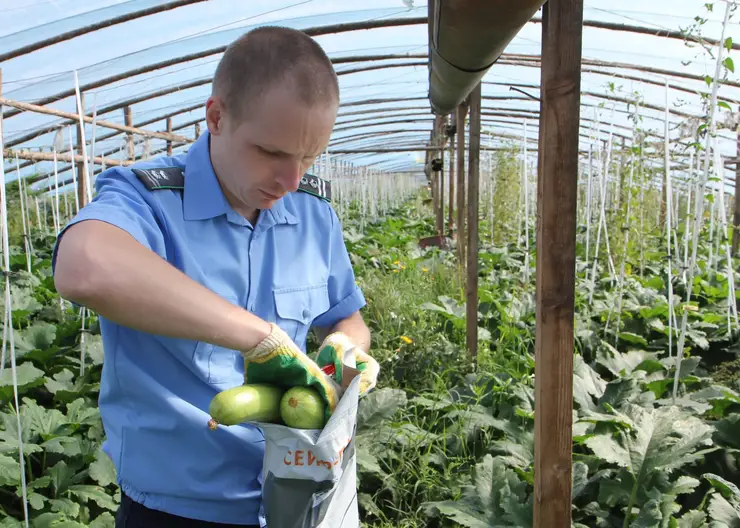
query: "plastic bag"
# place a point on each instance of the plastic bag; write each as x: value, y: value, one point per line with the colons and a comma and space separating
x: 309, y: 477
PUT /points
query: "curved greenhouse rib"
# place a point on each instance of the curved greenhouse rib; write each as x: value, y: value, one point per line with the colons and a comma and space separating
x: 43, y: 129
x: 69, y: 35
x: 372, y: 24
x: 311, y: 31
x: 518, y: 60
x: 534, y: 61
x: 643, y: 30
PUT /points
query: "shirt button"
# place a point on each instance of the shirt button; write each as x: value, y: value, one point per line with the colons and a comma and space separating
x: 306, y: 313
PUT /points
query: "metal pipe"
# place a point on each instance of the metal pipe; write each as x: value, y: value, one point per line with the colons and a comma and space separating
x: 466, y: 37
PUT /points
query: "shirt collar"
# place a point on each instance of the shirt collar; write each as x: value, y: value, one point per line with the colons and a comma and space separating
x: 204, y: 199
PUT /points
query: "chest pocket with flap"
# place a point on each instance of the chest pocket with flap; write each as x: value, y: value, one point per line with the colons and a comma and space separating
x: 297, y: 307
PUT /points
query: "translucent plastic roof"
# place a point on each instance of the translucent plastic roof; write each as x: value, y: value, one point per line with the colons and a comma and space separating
x: 161, y: 64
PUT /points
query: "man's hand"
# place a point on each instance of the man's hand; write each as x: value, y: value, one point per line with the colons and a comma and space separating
x: 277, y: 360
x: 333, y: 351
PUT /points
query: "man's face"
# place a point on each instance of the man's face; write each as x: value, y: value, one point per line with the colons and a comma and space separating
x: 262, y: 157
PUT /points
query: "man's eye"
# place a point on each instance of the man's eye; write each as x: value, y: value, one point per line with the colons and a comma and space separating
x: 268, y: 152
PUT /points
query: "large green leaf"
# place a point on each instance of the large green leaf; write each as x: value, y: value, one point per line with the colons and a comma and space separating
x: 103, y: 471
x: 93, y: 493
x: 496, y: 498
x: 691, y: 519
x: 378, y: 406
x: 663, y: 439
x: 587, y: 384
x: 27, y: 376
x: 104, y: 520
x: 723, y: 513
x: 367, y: 462
x: 10, y: 474
x: 728, y: 489
x: 649, y: 516
x: 66, y: 506
x: 94, y: 348
x: 728, y: 430
x: 40, y: 335
x: 609, y: 449
x: 55, y: 520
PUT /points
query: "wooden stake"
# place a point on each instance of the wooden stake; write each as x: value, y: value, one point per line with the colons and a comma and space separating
x: 169, y: 131
x: 472, y: 245
x: 556, y: 257
x: 129, y: 120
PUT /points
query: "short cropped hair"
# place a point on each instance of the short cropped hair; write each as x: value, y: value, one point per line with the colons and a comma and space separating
x: 267, y: 56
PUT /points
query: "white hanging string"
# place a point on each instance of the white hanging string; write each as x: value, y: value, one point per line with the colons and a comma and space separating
x: 603, y: 181
x: 589, y: 198
x: 525, y: 180
x: 687, y: 228
x: 85, y: 176
x: 38, y: 213
x: 74, y: 173
x: 26, y: 247
x: 9, y: 324
x: 699, y: 199
x: 668, y: 223
x: 731, y: 304
x: 92, y: 146
x: 627, y: 228
x: 58, y: 145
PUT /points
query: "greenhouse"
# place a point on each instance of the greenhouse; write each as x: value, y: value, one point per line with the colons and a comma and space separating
x: 537, y: 201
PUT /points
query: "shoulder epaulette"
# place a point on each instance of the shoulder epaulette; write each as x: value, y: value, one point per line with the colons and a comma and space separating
x: 161, y: 178
x: 317, y: 186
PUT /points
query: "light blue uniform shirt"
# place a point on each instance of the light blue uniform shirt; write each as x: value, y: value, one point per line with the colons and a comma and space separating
x: 292, y: 268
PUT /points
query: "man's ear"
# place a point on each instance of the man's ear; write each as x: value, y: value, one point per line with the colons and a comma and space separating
x: 215, y: 115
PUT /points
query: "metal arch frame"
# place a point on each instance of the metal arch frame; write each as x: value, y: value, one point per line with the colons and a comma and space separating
x: 506, y: 59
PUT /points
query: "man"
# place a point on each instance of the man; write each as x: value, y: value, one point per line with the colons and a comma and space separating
x: 188, y: 260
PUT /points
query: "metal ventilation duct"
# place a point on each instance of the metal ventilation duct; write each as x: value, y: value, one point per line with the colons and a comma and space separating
x: 466, y: 37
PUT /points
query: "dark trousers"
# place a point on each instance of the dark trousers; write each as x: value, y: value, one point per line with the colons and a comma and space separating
x: 134, y: 515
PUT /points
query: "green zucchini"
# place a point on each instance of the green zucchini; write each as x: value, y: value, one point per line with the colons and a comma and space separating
x: 257, y: 402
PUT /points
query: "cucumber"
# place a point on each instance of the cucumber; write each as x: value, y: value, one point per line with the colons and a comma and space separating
x: 257, y: 402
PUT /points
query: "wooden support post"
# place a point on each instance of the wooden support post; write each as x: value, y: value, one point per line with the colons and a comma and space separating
x: 462, y: 111
x: 472, y: 245
x: 81, y: 178
x: 435, y: 193
x: 451, y: 212
x: 197, y: 130
x: 169, y: 131
x: 736, y: 218
x: 556, y: 258
x: 441, y: 180
x: 432, y: 174
x: 129, y: 122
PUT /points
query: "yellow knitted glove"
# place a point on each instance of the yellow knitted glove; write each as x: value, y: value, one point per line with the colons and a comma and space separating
x: 277, y: 360
x: 338, y: 349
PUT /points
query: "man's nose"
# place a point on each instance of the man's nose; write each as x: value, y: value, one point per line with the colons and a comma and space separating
x: 290, y: 176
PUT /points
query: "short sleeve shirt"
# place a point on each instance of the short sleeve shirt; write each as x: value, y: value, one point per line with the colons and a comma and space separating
x: 291, y: 268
